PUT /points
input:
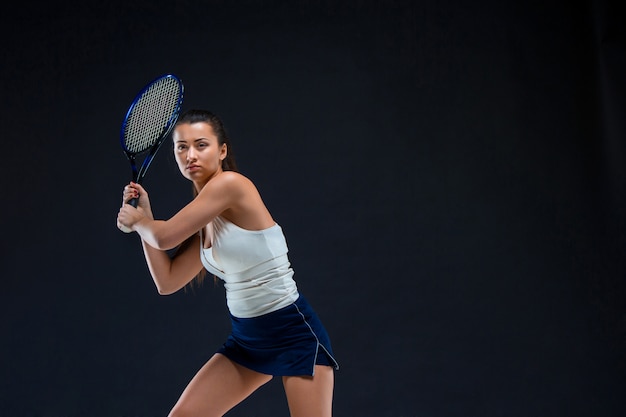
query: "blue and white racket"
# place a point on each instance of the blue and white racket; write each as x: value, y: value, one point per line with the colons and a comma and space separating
x: 150, y: 118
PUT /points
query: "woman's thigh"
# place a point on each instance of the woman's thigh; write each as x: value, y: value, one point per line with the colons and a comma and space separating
x: 311, y: 396
x: 218, y: 386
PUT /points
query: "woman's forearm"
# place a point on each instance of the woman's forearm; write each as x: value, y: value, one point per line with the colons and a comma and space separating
x: 159, y: 264
x: 171, y: 273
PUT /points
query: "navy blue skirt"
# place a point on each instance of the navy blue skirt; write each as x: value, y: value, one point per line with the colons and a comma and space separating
x: 286, y: 342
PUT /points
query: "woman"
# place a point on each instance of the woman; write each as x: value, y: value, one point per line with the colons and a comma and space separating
x: 227, y: 231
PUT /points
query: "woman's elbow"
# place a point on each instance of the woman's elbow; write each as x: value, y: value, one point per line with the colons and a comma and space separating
x: 166, y: 286
x: 164, y: 290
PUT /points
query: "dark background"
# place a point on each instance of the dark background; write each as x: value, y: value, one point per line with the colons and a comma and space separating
x: 449, y: 175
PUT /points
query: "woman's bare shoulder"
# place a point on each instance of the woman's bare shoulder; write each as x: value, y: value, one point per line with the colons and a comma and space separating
x: 230, y: 183
x: 232, y: 178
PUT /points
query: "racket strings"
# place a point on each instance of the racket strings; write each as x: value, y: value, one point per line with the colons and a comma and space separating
x: 152, y: 115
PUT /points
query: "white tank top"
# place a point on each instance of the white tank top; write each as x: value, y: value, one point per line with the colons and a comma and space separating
x: 254, y: 266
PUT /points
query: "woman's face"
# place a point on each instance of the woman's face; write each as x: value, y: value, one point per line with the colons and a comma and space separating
x: 198, y: 152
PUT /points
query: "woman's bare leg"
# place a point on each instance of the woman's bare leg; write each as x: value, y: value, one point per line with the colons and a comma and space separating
x: 218, y: 386
x: 311, y: 396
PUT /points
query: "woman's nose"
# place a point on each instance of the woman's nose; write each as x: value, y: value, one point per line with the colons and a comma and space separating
x: 191, y: 155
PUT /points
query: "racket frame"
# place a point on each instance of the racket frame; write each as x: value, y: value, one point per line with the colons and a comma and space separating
x: 138, y: 175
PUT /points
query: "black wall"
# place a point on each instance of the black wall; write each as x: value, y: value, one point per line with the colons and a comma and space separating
x: 450, y: 177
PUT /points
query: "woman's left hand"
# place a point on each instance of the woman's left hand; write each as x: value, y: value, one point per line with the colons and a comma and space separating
x: 128, y: 216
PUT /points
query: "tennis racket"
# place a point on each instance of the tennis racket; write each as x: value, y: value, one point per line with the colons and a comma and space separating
x: 150, y: 118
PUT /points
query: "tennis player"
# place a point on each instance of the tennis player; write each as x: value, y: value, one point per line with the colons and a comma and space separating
x: 227, y: 231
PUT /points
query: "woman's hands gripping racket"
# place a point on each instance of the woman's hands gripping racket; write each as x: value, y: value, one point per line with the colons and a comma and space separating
x: 150, y: 118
